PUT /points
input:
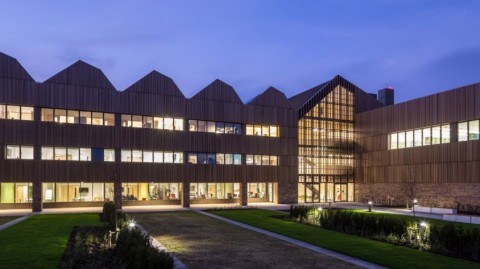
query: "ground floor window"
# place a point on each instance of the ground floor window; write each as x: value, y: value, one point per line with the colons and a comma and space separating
x: 77, y: 192
x: 214, y: 190
x: 325, y: 192
x: 16, y: 192
x: 261, y: 191
x: 144, y: 191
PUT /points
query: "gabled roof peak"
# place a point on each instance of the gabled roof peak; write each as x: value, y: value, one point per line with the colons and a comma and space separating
x: 220, y: 91
x: 156, y: 83
x: 82, y: 74
x: 11, y: 68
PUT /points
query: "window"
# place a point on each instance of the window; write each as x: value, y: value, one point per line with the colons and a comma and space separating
x: 73, y: 116
x: 274, y: 131
x: 273, y: 160
x: 158, y: 157
x: 178, y: 157
x: 13, y: 152
x: 249, y: 129
x: 401, y: 140
x: 462, y: 131
x: 409, y: 139
x: 137, y: 156
x: 237, y: 159
x: 220, y: 158
x: 26, y: 152
x: 211, y: 127
x: 228, y: 158
x: 427, y: 136
x: 136, y: 121
x: 109, y: 119
x: 60, y: 116
x: 126, y: 120
x: 109, y: 155
x: 47, y: 153
x: 168, y: 157
x: 73, y: 154
x: 60, y: 153
x: 97, y: 118
x: 211, y: 158
x: 436, y: 135
x: 2, y: 112
x: 147, y: 156
x: 168, y: 123
x: 158, y: 123
x: 257, y: 130
x: 192, y: 125
x: 473, y: 132
x: 192, y: 158
x: 85, y: 117
x: 202, y: 126
x: 27, y: 113
x: 229, y: 128
x: 417, y: 137
x: 446, y: 134
x: 202, y: 158
x: 261, y: 130
x: 126, y: 155
x: 237, y: 128
x: 147, y: 122
x: 13, y: 112
x: 393, y: 141
x: 265, y: 160
x: 85, y: 154
x: 249, y: 159
x: 178, y: 124
x: 219, y: 127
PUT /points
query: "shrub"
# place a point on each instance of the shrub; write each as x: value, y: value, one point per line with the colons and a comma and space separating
x: 134, y: 250
x: 299, y: 212
x: 109, y: 215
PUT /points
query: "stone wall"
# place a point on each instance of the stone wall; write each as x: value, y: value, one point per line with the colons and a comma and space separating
x: 463, y: 196
x: 287, y: 192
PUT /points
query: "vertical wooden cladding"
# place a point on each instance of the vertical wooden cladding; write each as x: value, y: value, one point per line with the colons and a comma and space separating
x: 455, y: 162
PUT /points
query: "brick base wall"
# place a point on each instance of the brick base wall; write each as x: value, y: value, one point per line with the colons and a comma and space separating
x: 287, y: 192
x: 462, y: 196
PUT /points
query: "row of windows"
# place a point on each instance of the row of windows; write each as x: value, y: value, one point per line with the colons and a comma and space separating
x: 261, y: 160
x: 468, y: 130
x: 19, y: 152
x: 420, y: 137
x: 11, y: 112
x: 263, y: 130
x: 149, y: 156
x: 77, y: 117
x: 148, y: 122
x: 214, y: 158
x: 214, y: 127
x: 133, y: 121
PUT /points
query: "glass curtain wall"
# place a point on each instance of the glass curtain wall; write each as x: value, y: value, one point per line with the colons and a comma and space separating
x: 326, y: 149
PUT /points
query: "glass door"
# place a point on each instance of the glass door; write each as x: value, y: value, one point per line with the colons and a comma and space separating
x: 341, y: 193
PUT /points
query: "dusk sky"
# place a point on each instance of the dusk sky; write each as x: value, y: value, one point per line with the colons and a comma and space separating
x: 418, y: 47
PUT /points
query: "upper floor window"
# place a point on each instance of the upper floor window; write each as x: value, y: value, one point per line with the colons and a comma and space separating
x: 263, y: 130
x: 149, y: 122
x: 13, y: 112
x: 420, y: 137
x: 77, y: 117
x: 214, y: 127
x: 66, y: 154
x: 468, y: 130
x: 149, y: 156
x: 214, y: 158
x: 19, y: 152
x: 261, y: 160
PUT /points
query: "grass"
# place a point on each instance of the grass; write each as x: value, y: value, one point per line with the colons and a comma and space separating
x: 436, y: 222
x: 6, y: 219
x: 39, y: 241
x: 204, y: 242
x: 369, y: 250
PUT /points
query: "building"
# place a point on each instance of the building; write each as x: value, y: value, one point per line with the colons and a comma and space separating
x: 74, y: 140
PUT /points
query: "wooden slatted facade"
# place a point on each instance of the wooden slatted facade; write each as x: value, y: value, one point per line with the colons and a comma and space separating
x: 85, y: 88
x: 441, y: 175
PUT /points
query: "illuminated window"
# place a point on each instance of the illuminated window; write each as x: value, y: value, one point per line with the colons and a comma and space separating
x: 427, y: 136
x: 13, y: 112
x: 446, y: 134
x: 136, y: 121
x: 47, y: 153
x: 85, y: 117
x: 60, y: 116
x: 409, y: 139
x: 2, y: 112
x: 126, y: 120
x: 109, y: 119
x: 73, y: 116
x: 27, y: 113
x: 147, y: 122
x: 178, y: 124
x: 168, y: 123
x: 393, y: 141
x: 109, y: 155
x: 97, y: 118
x: 462, y: 131
x: 473, y: 132
x: 417, y: 137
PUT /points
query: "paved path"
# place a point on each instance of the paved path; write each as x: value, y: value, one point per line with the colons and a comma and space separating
x: 15, y: 221
x: 296, y: 242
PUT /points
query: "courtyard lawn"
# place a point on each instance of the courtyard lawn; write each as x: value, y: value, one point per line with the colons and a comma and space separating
x: 39, y: 241
x: 6, y: 219
x: 203, y: 242
x: 369, y: 250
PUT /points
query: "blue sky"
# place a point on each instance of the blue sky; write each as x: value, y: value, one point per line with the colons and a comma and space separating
x: 417, y: 46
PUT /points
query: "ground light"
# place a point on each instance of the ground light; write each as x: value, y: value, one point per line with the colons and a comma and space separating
x: 132, y: 224
x: 415, y: 201
x: 370, y: 203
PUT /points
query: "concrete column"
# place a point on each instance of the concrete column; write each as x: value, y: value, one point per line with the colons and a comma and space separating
x: 117, y: 194
x: 243, y: 194
x: 37, y: 205
x: 185, y: 195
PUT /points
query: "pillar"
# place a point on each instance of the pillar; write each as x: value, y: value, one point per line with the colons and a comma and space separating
x: 117, y: 194
x: 244, y: 194
x: 185, y: 195
x: 37, y: 205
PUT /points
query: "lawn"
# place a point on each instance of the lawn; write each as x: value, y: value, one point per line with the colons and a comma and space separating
x: 39, y: 242
x: 369, y: 250
x: 6, y: 219
x: 204, y: 242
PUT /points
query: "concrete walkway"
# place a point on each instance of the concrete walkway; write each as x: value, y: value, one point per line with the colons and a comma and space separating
x: 15, y: 221
x: 296, y: 242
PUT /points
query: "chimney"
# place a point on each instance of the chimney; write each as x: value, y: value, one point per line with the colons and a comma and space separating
x: 386, y: 96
